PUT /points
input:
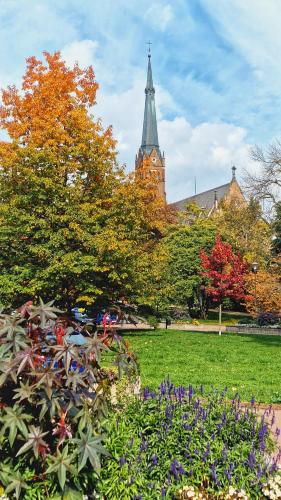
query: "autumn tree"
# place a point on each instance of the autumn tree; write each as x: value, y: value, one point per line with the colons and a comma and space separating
x: 264, y: 288
x: 246, y: 230
x: 225, y: 271
x: 72, y: 226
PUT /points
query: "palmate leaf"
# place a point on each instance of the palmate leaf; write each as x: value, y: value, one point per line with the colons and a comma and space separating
x: 45, y: 312
x: 48, y: 379
x: 25, y: 359
x: 11, y: 326
x: 35, y: 441
x: 12, y: 479
x: 66, y: 353
x: 14, y: 420
x: 75, y: 379
x: 89, y: 447
x: 51, y: 405
x: 95, y: 346
x: 84, y: 417
x: 25, y: 391
x: 61, y: 463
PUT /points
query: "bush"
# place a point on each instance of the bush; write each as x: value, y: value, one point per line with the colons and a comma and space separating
x: 53, y: 399
x: 153, y: 322
x: 177, y: 438
x: 265, y: 319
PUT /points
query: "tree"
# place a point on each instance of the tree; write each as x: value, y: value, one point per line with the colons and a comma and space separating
x: 73, y: 227
x: 264, y: 288
x: 266, y: 185
x: 226, y: 273
x: 183, y: 271
x: 246, y: 230
x: 277, y: 229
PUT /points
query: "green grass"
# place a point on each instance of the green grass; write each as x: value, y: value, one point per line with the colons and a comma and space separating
x: 228, y: 318
x: 249, y: 364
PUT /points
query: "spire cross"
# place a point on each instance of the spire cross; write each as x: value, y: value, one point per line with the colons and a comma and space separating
x: 149, y: 44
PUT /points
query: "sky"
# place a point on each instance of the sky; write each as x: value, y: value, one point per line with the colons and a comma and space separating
x: 216, y: 70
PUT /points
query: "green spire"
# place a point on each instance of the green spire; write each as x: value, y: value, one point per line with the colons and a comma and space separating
x: 149, y: 132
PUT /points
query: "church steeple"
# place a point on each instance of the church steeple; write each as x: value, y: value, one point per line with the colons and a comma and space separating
x: 149, y: 131
x: 150, y: 163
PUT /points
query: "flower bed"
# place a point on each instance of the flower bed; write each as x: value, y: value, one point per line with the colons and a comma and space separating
x: 176, y: 440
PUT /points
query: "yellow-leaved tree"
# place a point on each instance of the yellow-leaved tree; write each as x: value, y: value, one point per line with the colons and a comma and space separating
x: 73, y: 227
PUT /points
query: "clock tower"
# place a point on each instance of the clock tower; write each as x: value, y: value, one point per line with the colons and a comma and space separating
x: 150, y: 162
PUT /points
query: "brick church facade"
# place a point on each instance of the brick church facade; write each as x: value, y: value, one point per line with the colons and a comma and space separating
x: 150, y: 162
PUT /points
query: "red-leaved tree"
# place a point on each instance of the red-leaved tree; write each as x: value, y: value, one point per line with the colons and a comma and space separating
x: 226, y: 272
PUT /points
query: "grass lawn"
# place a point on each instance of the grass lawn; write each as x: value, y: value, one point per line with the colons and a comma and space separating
x: 249, y: 364
x: 228, y: 318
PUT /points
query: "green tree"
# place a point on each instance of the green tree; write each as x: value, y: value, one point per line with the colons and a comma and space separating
x: 72, y: 226
x: 184, y: 269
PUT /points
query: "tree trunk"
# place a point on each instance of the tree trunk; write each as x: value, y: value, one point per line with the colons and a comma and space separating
x: 220, y: 308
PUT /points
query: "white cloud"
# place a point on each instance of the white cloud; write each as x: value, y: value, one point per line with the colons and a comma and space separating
x: 159, y: 15
x: 83, y: 52
x: 253, y: 29
x: 206, y: 151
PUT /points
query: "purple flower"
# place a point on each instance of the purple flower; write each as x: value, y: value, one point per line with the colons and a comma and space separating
x: 146, y: 393
x: 122, y: 461
x: 163, y: 491
x: 201, y: 389
x: 143, y: 445
x: 206, y: 453
x: 190, y: 393
x: 253, y: 400
x: 162, y: 388
x: 251, y: 459
x: 154, y: 459
x: 277, y: 432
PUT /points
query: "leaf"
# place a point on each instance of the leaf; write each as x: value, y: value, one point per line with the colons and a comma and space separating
x: 35, y: 441
x: 89, y: 448
x: 45, y: 312
x: 14, y: 420
x: 61, y: 463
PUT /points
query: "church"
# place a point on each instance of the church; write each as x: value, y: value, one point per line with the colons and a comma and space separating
x: 150, y: 162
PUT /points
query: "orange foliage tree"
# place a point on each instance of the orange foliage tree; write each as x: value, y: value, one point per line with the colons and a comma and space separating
x: 72, y: 225
x: 265, y: 290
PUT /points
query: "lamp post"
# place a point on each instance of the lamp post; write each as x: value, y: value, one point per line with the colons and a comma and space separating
x: 255, y: 267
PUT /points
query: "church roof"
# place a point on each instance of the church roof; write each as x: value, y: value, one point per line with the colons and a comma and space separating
x: 149, y: 132
x: 206, y: 199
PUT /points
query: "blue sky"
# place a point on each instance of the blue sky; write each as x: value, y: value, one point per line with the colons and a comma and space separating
x: 216, y: 69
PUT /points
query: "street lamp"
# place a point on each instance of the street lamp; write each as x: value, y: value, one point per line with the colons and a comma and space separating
x: 255, y: 267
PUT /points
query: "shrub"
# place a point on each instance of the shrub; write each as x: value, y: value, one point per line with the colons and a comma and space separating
x: 179, y: 437
x: 153, y: 322
x: 53, y: 399
x: 267, y: 318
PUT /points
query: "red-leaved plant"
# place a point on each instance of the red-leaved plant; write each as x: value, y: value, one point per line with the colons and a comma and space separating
x: 226, y: 273
x: 54, y: 398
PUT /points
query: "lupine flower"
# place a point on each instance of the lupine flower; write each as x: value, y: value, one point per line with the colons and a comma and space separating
x: 190, y: 393
x: 154, y: 459
x: 251, y: 459
x: 122, y: 461
x: 163, y: 491
x: 146, y: 393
